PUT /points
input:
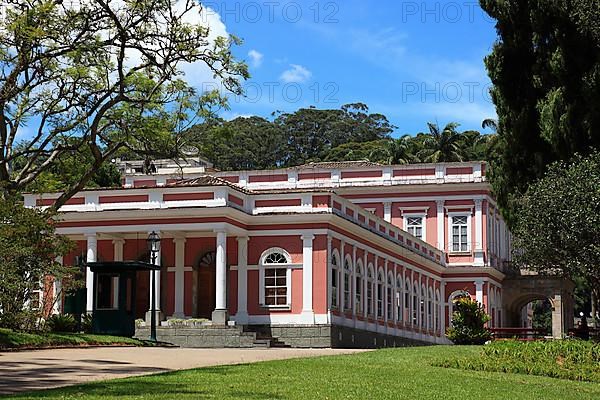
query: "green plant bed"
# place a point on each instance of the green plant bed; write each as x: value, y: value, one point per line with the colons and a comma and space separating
x: 566, y: 359
x: 10, y: 340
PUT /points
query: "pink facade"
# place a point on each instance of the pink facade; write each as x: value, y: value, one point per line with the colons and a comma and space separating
x: 374, y: 248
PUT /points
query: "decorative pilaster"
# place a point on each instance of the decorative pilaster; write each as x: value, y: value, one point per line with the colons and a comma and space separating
x: 479, y: 292
x: 387, y: 211
x: 440, y: 224
x: 478, y: 253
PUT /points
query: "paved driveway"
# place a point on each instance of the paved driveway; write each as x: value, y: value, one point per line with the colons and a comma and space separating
x: 41, y: 369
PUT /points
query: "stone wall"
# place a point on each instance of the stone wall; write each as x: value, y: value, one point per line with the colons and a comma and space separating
x: 323, y: 336
x: 201, y: 336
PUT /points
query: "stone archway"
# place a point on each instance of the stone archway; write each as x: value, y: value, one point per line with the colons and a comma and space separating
x: 203, y: 286
x: 520, y: 290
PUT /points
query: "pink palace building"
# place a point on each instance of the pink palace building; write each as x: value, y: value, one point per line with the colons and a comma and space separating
x: 334, y: 254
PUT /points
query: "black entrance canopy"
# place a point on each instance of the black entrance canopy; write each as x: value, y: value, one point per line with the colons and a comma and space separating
x: 115, y: 286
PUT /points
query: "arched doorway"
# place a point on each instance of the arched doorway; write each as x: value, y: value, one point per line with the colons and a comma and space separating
x: 520, y: 291
x: 204, y: 282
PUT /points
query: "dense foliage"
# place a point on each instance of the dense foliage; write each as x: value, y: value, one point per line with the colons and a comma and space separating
x: 20, y: 340
x: 545, y: 70
x: 81, y: 81
x: 557, y: 222
x: 565, y: 359
x: 468, y: 322
x: 311, y: 135
x: 29, y: 247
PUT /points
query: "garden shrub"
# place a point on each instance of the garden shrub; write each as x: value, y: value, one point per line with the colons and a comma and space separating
x: 61, y: 323
x: 566, y: 359
x: 468, y: 323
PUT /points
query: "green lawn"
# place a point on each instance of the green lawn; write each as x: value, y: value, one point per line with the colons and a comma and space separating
x: 385, y: 374
x: 19, y: 340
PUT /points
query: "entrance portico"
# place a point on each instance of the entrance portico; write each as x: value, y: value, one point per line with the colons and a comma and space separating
x: 180, y: 260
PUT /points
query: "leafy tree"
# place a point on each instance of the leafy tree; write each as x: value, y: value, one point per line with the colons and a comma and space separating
x: 468, y: 322
x: 243, y: 143
x: 97, y: 77
x: 545, y: 70
x: 357, y: 151
x: 312, y: 133
x: 442, y: 145
x: 29, y: 247
x: 557, y: 223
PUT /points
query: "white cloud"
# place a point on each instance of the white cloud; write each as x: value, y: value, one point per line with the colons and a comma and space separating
x: 256, y: 58
x: 296, y: 74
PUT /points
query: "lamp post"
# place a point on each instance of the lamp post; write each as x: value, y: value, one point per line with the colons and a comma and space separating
x: 154, y: 247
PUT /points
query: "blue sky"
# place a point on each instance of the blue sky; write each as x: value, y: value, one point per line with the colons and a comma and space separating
x: 412, y: 61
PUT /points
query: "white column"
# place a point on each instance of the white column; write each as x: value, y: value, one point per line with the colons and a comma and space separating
x: 387, y: 212
x: 440, y: 224
x: 242, y: 275
x: 479, y: 291
x: 179, y: 277
x: 91, y: 254
x: 478, y: 253
x: 219, y: 315
x: 307, y: 277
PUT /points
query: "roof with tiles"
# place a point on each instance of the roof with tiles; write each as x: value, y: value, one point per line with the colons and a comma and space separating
x: 339, y: 165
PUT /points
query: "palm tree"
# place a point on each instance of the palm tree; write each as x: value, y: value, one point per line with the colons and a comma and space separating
x: 397, y: 151
x: 490, y: 123
x: 442, y: 145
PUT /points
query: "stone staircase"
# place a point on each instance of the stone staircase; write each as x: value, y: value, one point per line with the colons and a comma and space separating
x: 211, y: 336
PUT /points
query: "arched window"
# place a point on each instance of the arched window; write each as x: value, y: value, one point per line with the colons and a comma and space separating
x: 348, y: 284
x: 422, y: 305
x: 334, y: 279
x: 430, y: 308
x: 389, y: 297
x: 454, y: 295
x: 358, y: 288
x: 380, y: 283
x: 275, y: 278
x: 415, y: 304
x: 370, y: 290
x: 438, y: 307
x: 406, y: 318
x: 399, y: 298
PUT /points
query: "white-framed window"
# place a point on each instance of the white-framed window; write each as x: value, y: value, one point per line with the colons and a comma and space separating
x: 423, y: 321
x: 334, y: 280
x: 415, y: 305
x: 275, y: 279
x: 380, y: 283
x: 399, y: 298
x: 347, y: 284
x: 370, y: 290
x: 415, y: 225
x: 460, y: 232
x: 407, y: 291
x: 438, y: 306
x: 389, y: 299
x: 430, y: 309
x: 358, y: 288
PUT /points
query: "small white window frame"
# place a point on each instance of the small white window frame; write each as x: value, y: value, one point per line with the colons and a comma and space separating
x: 261, y: 278
x: 423, y: 216
x: 450, y: 237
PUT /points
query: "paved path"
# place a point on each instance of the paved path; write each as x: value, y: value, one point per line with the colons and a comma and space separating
x: 41, y: 369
